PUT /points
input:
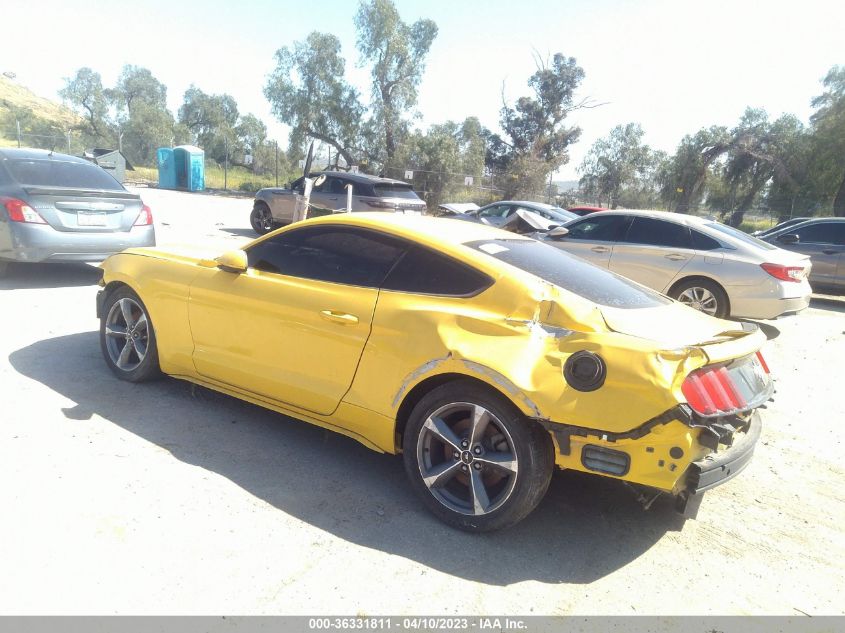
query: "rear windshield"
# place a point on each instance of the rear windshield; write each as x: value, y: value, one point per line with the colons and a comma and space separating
x: 739, y: 235
x: 395, y: 191
x: 571, y: 273
x: 58, y: 173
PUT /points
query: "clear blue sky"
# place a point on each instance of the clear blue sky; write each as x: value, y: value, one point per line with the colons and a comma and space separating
x: 672, y: 66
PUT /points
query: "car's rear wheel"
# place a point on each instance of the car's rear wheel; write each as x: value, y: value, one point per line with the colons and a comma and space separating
x: 127, y: 337
x: 702, y: 295
x: 261, y: 219
x: 474, y: 459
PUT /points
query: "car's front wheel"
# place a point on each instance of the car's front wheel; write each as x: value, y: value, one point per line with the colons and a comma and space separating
x: 127, y: 337
x: 261, y: 219
x: 475, y: 460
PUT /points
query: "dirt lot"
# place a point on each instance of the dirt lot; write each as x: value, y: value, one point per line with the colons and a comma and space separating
x: 164, y: 498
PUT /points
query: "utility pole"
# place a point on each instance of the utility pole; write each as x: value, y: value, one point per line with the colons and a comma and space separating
x: 226, y: 165
x: 68, y: 141
x: 277, y: 162
x: 19, y: 131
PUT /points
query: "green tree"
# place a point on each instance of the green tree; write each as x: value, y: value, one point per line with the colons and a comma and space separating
x: 211, y: 120
x: 536, y: 134
x: 828, y: 140
x: 308, y: 91
x: 618, y: 163
x: 143, y: 121
x: 684, y: 176
x: 397, y: 52
x: 85, y: 94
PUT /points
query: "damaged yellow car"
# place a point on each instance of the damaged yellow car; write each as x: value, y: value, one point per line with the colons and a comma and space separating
x: 485, y: 357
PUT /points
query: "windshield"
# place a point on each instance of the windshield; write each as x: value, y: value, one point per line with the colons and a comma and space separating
x: 58, y: 173
x: 571, y: 273
x: 395, y: 191
x: 739, y: 235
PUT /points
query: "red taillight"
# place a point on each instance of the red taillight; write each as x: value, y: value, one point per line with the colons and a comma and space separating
x: 20, y: 211
x: 784, y: 273
x: 711, y: 391
x: 145, y: 218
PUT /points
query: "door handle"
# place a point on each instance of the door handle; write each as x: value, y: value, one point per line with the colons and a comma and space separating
x: 675, y: 257
x: 339, y: 317
x: 600, y: 249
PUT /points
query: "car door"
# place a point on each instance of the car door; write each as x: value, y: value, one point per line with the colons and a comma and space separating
x: 653, y: 252
x: 824, y: 242
x: 283, y: 201
x: 292, y: 327
x: 593, y: 237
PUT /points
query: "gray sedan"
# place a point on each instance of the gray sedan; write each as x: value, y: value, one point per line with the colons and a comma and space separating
x: 823, y: 239
x: 709, y: 266
x: 60, y: 208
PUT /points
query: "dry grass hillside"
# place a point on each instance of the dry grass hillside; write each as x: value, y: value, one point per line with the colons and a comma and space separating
x: 15, y: 97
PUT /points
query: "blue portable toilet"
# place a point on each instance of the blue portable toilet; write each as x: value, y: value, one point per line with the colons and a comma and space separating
x: 189, y: 164
x: 166, y: 168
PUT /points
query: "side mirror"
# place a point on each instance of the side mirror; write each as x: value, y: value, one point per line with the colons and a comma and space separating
x: 232, y: 262
x: 788, y: 238
x: 558, y: 232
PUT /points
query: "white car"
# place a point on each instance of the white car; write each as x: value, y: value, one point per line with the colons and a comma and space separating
x: 700, y: 262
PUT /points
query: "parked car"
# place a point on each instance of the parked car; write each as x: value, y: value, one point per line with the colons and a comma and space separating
x: 274, y: 207
x: 707, y: 265
x: 60, y: 208
x: 778, y: 227
x: 497, y: 213
x: 486, y: 358
x: 581, y: 211
x: 823, y: 239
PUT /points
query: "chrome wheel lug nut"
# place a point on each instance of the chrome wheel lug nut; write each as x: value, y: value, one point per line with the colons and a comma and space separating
x: 477, y: 466
x: 477, y: 450
x: 456, y: 455
x: 464, y: 468
x: 464, y: 444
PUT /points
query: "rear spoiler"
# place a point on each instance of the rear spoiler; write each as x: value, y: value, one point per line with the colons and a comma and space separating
x: 75, y: 191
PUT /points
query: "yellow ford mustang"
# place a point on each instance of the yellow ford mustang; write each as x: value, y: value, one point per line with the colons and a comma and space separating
x: 485, y: 357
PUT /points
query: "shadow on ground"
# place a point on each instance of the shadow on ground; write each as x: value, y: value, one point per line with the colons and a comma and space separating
x: 250, y: 233
x: 587, y: 526
x: 27, y: 276
x: 829, y: 303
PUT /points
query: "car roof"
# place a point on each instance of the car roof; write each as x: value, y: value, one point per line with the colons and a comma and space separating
x: 30, y: 153
x: 671, y: 216
x: 362, y: 178
x: 587, y: 208
x: 782, y: 230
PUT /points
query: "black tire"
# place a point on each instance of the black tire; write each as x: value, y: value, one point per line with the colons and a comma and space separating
x: 509, y: 489
x: 261, y: 219
x: 701, y: 294
x: 130, y: 352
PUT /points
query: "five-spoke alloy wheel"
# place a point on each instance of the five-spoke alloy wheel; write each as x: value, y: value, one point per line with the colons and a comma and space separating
x: 261, y: 219
x: 702, y: 295
x: 127, y: 338
x: 475, y: 460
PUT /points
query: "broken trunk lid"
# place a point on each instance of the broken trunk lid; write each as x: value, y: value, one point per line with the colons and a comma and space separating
x: 676, y: 326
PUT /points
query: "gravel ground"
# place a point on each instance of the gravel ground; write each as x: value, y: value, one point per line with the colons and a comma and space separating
x: 165, y: 498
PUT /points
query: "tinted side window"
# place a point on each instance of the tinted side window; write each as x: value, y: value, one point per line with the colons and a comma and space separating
x: 496, y: 211
x: 822, y: 233
x: 653, y: 232
x: 702, y: 242
x: 607, y: 228
x: 337, y: 186
x: 425, y: 272
x: 336, y: 254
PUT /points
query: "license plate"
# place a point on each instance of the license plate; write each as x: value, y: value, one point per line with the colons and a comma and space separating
x: 97, y: 218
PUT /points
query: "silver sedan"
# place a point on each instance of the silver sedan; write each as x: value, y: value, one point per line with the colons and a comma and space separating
x: 60, y: 208
x: 705, y: 264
